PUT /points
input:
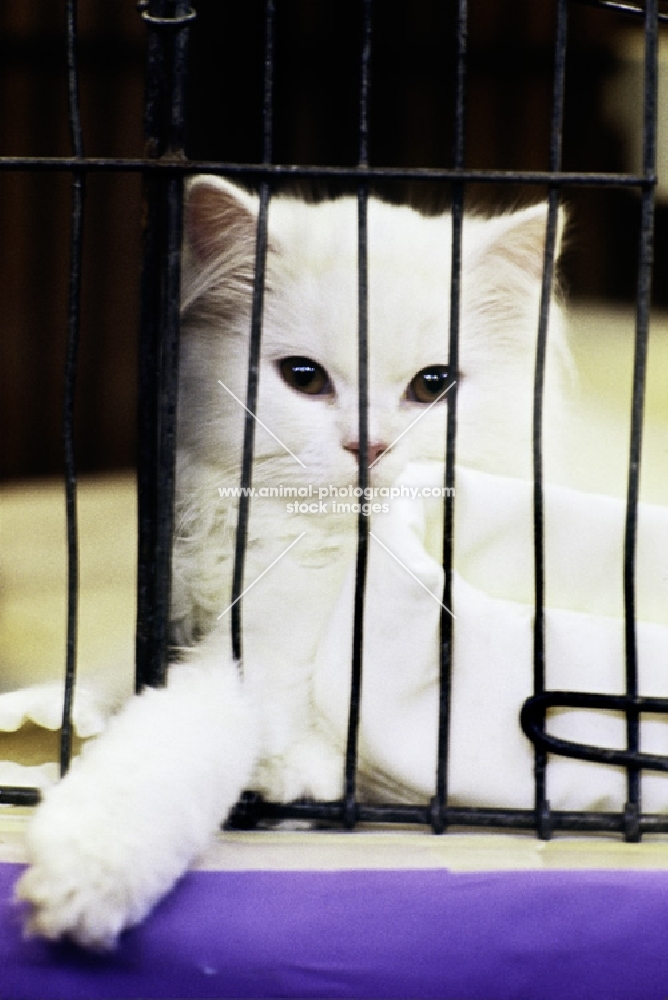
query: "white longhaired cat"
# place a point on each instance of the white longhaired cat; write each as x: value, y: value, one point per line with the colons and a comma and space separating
x: 145, y: 798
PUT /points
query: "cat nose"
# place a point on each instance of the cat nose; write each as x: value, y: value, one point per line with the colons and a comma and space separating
x: 374, y: 449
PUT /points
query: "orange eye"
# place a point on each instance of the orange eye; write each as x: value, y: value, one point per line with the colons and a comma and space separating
x: 429, y: 384
x: 305, y: 375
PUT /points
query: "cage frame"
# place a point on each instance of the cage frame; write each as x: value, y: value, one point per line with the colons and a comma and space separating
x: 163, y: 168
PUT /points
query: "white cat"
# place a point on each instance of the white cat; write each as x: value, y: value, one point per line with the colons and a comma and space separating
x: 145, y: 798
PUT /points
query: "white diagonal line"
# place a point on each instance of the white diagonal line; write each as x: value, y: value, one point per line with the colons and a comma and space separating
x: 255, y: 417
x: 410, y: 573
x: 412, y: 424
x: 263, y: 573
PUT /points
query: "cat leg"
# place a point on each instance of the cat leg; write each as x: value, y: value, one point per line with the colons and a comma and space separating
x: 139, y: 805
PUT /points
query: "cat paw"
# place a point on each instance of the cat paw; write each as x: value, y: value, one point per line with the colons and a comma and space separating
x: 80, y: 884
x: 311, y: 769
x: 72, y: 894
x: 43, y: 705
x: 84, y: 882
x: 73, y: 901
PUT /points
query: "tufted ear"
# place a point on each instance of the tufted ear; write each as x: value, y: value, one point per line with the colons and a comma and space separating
x: 516, y: 242
x: 218, y: 216
x: 220, y: 222
x: 504, y: 265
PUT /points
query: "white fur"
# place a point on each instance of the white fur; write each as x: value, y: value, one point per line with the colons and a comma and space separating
x: 139, y: 805
x: 144, y: 799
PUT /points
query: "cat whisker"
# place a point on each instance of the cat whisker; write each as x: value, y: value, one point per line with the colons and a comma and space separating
x: 263, y: 425
x: 420, y: 415
x: 410, y: 573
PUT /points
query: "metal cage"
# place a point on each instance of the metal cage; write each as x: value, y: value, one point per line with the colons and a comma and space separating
x: 168, y: 24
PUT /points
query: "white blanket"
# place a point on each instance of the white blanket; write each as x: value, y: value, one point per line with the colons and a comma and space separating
x: 491, y: 760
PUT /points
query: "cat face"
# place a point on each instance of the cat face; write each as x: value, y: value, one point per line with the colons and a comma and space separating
x: 308, y: 421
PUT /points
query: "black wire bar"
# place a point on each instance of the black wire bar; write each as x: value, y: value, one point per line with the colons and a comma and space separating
x: 30, y: 796
x: 446, y: 624
x: 71, y: 358
x: 252, y: 388
x: 254, y: 810
x: 556, y: 128
x: 168, y: 24
x: 533, y: 724
x: 621, y: 8
x: 350, y: 768
x: 639, y: 378
x: 288, y: 171
x: 147, y: 670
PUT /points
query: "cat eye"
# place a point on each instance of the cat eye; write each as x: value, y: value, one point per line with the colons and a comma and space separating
x: 429, y: 384
x: 305, y: 376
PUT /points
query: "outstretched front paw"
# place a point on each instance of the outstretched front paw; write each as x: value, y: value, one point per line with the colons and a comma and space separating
x: 64, y: 904
x: 79, y: 884
x: 138, y: 806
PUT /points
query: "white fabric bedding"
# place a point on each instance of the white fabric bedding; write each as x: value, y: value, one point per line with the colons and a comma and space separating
x: 490, y: 759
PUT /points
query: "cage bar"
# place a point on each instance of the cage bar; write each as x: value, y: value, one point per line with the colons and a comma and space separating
x: 72, y: 350
x: 252, y: 387
x: 168, y: 24
x: 297, y: 171
x: 438, y: 814
x: 632, y: 9
x: 556, y: 127
x: 439, y: 801
x: 350, y: 770
x: 163, y: 168
x: 632, y: 811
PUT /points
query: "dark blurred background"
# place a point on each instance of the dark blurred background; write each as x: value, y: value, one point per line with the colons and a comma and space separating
x: 317, y: 51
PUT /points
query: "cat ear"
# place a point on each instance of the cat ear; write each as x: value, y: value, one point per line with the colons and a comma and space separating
x: 220, y: 223
x: 218, y: 217
x: 503, y: 260
x: 514, y: 244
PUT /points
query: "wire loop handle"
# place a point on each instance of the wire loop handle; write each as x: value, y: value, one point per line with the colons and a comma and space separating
x: 532, y: 720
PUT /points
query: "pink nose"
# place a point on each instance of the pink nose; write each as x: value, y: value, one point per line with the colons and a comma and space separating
x: 375, y: 449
